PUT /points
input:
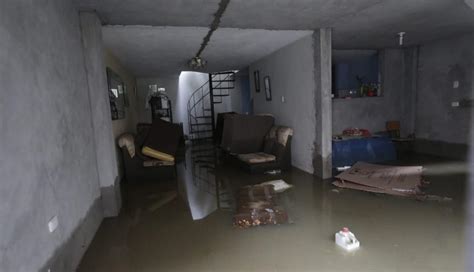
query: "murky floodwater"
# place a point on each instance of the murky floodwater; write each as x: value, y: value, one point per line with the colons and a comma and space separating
x: 194, y: 232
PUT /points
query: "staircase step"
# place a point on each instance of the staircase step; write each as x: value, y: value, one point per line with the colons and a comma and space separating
x: 204, y: 161
x: 210, y: 154
x: 200, y: 134
x: 213, y: 160
x: 224, y: 73
x: 201, y: 151
x: 201, y: 131
x: 223, y: 80
x: 202, y: 139
x: 202, y: 124
x: 208, y: 166
x: 204, y: 156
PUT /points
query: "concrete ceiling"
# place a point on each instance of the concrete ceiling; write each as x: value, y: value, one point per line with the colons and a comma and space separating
x: 153, y: 37
x: 150, y: 51
x: 356, y: 23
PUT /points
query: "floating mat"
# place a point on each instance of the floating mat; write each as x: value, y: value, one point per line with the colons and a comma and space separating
x: 401, y: 179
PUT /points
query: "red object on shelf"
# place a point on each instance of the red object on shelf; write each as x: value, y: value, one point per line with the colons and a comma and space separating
x: 356, y: 132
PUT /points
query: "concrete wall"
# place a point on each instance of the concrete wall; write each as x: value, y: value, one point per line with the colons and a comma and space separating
x: 128, y: 124
x: 291, y: 71
x: 101, y: 122
x: 418, y: 90
x: 322, y: 154
x: 245, y: 94
x: 47, y: 156
x: 372, y: 112
x: 440, y: 64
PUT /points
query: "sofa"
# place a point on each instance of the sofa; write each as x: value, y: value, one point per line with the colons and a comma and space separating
x: 274, y: 155
x: 255, y: 143
x: 245, y: 133
x: 140, y: 167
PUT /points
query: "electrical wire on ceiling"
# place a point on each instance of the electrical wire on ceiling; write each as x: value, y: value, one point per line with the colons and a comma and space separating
x: 197, y: 61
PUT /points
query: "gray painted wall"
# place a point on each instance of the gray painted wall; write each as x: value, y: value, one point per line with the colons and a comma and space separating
x: 441, y: 63
x: 104, y: 143
x: 128, y: 124
x: 47, y: 156
x: 372, y: 112
x: 291, y: 71
x: 245, y: 97
x: 55, y: 125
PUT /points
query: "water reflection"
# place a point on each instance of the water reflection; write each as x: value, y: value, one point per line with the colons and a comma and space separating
x: 204, y: 190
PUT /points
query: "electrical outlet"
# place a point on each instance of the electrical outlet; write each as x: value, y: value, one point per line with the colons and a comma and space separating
x: 455, y: 84
x: 53, y: 224
x: 455, y: 104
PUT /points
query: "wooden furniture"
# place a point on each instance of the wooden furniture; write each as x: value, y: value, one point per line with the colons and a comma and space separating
x: 160, y: 105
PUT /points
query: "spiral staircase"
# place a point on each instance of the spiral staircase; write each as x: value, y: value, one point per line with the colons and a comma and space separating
x: 201, y: 133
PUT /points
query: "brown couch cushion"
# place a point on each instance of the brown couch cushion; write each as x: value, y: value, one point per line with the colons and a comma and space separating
x: 276, y: 139
x: 162, y: 140
x: 282, y: 135
x: 154, y: 163
x: 245, y: 133
x: 259, y: 157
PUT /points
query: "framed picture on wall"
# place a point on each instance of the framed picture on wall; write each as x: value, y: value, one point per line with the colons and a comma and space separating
x: 268, y: 88
x: 256, y: 78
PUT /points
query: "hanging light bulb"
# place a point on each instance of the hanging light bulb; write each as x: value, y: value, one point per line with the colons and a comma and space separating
x: 400, y: 38
x: 197, y: 63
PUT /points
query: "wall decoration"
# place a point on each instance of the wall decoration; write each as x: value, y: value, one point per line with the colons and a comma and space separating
x: 125, y: 96
x: 256, y: 78
x: 268, y: 88
x: 117, y: 93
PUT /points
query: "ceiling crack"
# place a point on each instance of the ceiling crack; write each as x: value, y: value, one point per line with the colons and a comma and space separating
x: 214, y: 25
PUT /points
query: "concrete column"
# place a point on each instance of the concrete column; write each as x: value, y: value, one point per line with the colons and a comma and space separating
x: 470, y: 193
x: 408, y: 92
x: 322, y: 158
x: 104, y: 144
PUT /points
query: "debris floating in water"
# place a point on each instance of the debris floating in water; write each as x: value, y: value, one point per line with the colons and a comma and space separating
x: 346, y: 239
x: 394, y: 180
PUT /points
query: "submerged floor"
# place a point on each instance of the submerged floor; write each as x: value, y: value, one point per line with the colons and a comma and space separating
x: 396, y: 234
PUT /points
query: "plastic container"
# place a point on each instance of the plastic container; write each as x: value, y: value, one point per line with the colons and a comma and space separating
x: 347, y: 239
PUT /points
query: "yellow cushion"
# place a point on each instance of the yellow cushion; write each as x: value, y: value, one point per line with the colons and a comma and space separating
x: 157, y: 154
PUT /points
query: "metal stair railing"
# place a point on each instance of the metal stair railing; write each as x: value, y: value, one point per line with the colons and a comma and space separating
x: 198, y: 99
